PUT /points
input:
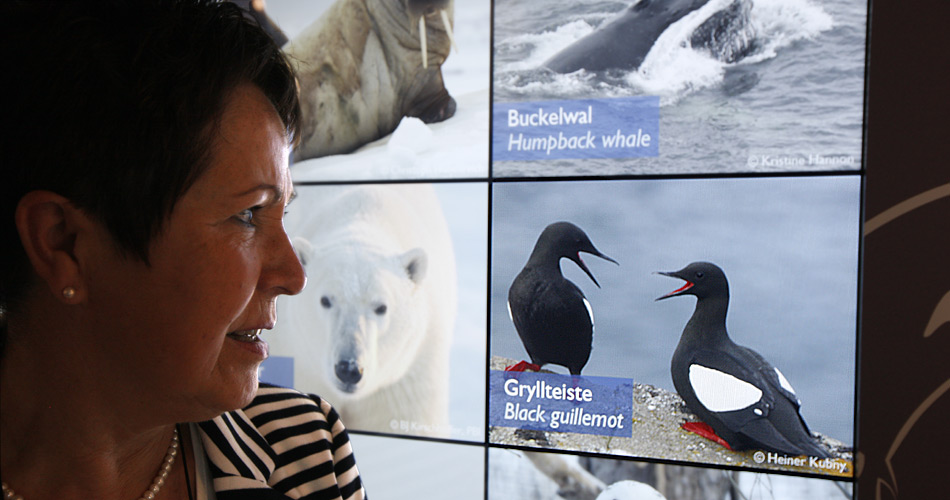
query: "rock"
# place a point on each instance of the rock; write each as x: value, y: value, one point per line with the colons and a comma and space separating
x: 657, y: 416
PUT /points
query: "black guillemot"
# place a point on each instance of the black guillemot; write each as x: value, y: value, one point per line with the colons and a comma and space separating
x: 733, y: 389
x: 550, y: 313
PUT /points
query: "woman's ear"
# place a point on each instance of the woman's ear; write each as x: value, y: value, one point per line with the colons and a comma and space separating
x: 49, y: 225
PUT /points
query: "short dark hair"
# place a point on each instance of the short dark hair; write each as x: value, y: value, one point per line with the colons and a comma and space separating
x: 114, y: 105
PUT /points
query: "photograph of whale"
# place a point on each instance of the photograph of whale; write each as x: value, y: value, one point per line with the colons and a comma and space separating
x: 745, y: 86
x: 624, y: 42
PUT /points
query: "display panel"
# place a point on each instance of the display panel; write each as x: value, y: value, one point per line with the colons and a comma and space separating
x: 524, y: 474
x: 442, y: 470
x: 378, y: 330
x: 723, y: 86
x: 751, y: 161
x: 789, y: 249
x: 430, y: 147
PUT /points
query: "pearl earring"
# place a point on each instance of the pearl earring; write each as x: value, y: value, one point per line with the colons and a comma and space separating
x: 69, y: 292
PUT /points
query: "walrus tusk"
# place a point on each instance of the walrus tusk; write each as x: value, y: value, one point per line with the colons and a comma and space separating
x: 448, y: 30
x: 422, y: 41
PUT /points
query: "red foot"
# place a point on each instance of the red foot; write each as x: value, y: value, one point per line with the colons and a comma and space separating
x: 522, y: 366
x: 703, y: 429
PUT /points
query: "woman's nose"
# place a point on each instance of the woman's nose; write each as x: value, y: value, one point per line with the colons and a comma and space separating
x: 285, y: 271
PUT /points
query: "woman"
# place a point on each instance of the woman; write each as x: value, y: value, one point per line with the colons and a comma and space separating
x: 146, y: 179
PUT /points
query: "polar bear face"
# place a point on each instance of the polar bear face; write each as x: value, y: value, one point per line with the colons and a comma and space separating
x: 367, y: 311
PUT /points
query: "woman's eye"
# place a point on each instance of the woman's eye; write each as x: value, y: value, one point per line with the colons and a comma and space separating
x: 246, y: 216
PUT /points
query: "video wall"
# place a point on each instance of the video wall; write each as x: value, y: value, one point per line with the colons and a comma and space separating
x: 589, y: 249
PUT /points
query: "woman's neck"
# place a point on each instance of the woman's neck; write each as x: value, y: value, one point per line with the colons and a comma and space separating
x: 60, y: 421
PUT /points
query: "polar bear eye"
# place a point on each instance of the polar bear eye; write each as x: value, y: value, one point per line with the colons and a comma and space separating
x: 325, y: 302
x: 381, y: 310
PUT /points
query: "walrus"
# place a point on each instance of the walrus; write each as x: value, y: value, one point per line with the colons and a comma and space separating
x: 364, y: 65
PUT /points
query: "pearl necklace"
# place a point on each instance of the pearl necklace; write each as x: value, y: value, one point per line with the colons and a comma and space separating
x: 150, y: 493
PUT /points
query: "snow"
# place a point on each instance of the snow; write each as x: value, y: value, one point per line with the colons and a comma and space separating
x: 454, y: 149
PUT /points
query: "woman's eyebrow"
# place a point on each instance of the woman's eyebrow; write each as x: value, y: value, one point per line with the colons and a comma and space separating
x: 276, y: 193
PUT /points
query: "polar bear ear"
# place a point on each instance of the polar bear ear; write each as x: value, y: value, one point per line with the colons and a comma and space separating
x: 303, y: 248
x: 415, y: 262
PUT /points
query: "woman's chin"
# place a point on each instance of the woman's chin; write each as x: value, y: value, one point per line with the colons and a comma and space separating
x: 236, y: 391
x: 245, y: 390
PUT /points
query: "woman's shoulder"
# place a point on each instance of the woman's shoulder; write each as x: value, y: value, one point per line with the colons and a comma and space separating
x: 286, y: 440
x: 275, y: 406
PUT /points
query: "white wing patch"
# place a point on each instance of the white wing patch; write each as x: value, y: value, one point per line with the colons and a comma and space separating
x: 784, y: 382
x: 590, y: 312
x: 719, y: 391
x: 510, y: 316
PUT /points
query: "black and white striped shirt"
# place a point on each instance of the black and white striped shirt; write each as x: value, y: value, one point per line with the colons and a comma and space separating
x: 283, y: 445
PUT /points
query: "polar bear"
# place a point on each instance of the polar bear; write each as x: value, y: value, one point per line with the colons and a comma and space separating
x: 372, y: 329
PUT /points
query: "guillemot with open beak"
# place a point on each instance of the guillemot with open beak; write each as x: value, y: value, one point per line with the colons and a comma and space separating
x: 733, y: 389
x: 551, y: 314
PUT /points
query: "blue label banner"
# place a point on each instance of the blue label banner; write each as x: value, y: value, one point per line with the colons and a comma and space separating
x: 619, y: 127
x: 562, y: 403
x: 277, y: 370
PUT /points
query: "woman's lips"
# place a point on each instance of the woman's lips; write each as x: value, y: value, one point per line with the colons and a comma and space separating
x: 251, y: 341
x: 246, y: 335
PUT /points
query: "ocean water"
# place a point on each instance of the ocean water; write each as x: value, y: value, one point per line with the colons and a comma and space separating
x: 788, y: 246
x: 795, y: 104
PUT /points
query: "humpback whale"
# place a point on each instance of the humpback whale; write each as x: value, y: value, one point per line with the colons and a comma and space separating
x: 624, y: 42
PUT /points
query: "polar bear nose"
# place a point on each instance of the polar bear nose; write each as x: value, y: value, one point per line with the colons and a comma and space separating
x: 349, y: 371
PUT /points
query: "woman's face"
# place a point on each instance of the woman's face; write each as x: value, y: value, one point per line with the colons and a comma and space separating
x: 181, y: 328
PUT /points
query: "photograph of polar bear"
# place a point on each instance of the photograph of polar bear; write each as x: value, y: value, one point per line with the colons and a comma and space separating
x: 373, y: 106
x: 378, y: 330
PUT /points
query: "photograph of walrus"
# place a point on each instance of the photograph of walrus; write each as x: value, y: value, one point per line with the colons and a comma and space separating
x: 390, y: 89
x: 391, y: 324
x: 740, y: 85
x: 731, y: 304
